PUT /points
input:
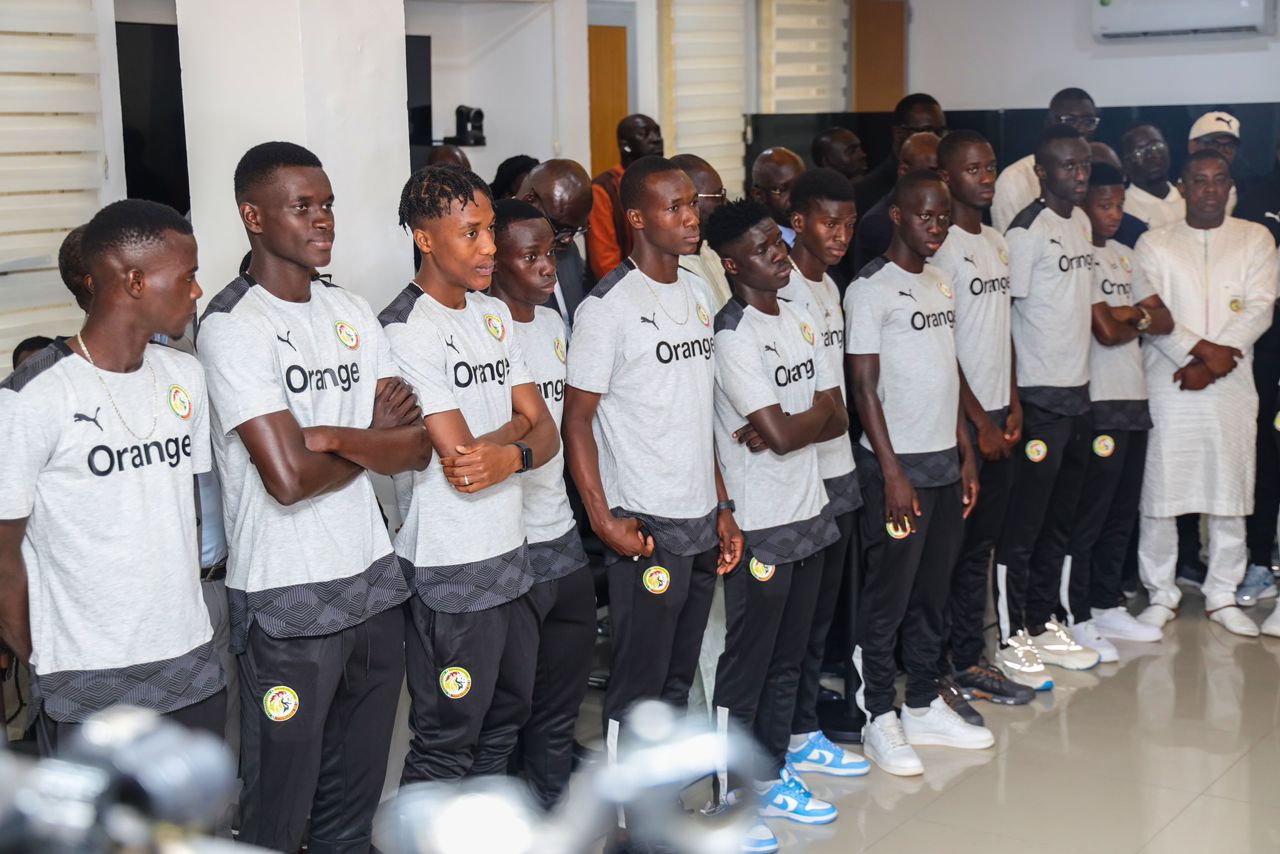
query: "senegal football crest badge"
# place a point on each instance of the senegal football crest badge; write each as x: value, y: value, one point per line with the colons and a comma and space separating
x: 347, y: 334
x: 656, y: 579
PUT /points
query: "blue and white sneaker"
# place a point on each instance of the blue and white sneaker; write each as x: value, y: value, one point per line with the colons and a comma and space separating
x: 821, y: 755
x: 759, y: 839
x: 789, y: 798
x: 1258, y: 584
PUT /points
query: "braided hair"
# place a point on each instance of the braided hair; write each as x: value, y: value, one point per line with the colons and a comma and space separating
x: 432, y: 190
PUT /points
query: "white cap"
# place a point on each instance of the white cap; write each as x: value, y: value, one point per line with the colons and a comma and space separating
x: 1215, y: 122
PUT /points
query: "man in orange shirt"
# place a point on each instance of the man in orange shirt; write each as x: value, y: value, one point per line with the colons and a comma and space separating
x: 609, y: 240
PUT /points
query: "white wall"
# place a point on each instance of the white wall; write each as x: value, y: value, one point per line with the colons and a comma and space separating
x: 523, y: 63
x: 984, y: 54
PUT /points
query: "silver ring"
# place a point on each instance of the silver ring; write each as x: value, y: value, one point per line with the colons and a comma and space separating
x: 466, y: 481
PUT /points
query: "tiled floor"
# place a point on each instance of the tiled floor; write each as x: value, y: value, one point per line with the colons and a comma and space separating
x: 1173, y: 749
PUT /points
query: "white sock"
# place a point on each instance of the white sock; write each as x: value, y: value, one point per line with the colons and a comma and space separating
x: 799, y: 740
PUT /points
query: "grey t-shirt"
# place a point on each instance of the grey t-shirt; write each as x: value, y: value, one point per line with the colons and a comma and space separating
x: 1117, y: 378
x: 325, y: 563
x: 762, y: 360
x: 111, y: 553
x: 1051, y: 279
x: 646, y: 348
x: 821, y: 300
x: 555, y: 548
x: 468, y: 550
x: 977, y: 265
x: 907, y: 319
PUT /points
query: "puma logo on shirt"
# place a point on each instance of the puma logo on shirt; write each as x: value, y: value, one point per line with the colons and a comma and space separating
x: 1056, y: 242
x: 449, y: 343
x: 80, y: 417
x: 651, y: 320
x: 1271, y: 215
x: 285, y: 340
x: 770, y: 348
x: 908, y: 295
x: 969, y: 260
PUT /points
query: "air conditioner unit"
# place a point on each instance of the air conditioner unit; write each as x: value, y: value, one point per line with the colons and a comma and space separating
x: 1140, y: 19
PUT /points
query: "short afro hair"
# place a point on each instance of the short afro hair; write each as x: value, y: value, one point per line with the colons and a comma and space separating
x: 953, y: 142
x: 631, y: 188
x: 507, y: 212
x: 1049, y: 136
x: 819, y: 185
x: 128, y: 224
x: 1071, y: 93
x: 259, y: 163
x: 909, y: 103
x: 29, y: 346
x: 509, y: 175
x: 71, y: 266
x: 431, y: 191
x: 912, y: 180
x: 1105, y: 175
x: 1206, y: 154
x: 734, y: 219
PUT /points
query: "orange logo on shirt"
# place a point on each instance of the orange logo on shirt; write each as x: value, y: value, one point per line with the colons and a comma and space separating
x: 180, y: 402
x: 347, y: 334
x: 495, y: 326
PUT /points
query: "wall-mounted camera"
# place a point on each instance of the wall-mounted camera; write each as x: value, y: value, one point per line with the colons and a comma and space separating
x: 470, y: 127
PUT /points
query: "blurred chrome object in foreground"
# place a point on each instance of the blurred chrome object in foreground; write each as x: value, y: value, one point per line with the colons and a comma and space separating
x: 665, y: 752
x: 129, y: 779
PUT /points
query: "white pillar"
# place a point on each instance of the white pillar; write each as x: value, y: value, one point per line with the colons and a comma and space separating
x: 326, y: 74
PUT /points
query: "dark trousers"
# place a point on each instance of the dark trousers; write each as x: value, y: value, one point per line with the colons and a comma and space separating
x: 1260, y: 528
x: 768, y: 612
x: 1104, y: 522
x: 566, y: 612
x: 967, y: 607
x: 328, y: 757
x: 1037, y: 525
x: 905, y: 588
x: 657, y: 630
x: 470, y: 679
x: 209, y: 715
x: 836, y: 565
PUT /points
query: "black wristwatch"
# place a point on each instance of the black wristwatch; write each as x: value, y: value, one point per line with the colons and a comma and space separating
x: 526, y: 456
x: 727, y: 504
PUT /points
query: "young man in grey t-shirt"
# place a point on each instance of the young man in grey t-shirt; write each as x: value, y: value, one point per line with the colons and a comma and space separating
x: 1051, y: 278
x: 917, y: 474
x: 306, y: 402
x: 638, y: 432
x: 102, y: 435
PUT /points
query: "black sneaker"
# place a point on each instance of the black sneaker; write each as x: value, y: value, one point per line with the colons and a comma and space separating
x: 951, y: 694
x: 985, y: 682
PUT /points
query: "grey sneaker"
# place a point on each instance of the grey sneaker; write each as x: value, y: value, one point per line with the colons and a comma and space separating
x: 953, y: 696
x: 1258, y: 584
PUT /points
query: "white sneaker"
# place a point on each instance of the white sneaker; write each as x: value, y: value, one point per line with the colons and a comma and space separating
x: 940, y: 726
x: 1157, y: 615
x: 1087, y: 635
x: 1118, y: 624
x: 1057, y: 647
x: 1271, y: 625
x: 1021, y: 663
x: 885, y: 744
x: 1234, y: 620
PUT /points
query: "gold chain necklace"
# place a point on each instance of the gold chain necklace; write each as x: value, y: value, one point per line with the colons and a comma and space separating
x: 155, y: 416
x: 684, y: 292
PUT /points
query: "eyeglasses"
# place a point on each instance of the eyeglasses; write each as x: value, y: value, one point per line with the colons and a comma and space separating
x: 1151, y: 149
x: 563, y: 235
x: 1080, y: 123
